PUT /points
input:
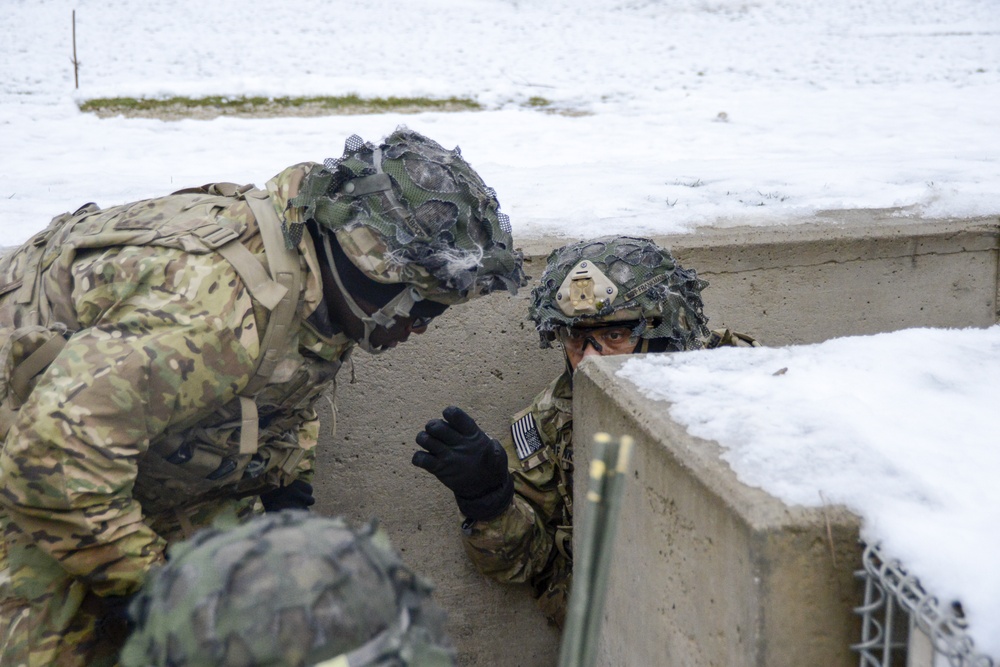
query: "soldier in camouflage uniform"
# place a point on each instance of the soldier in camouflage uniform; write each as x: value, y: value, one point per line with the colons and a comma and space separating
x: 617, y: 295
x: 286, y: 589
x: 160, y: 360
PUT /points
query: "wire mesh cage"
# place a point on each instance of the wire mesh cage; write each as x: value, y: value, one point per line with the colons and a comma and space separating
x: 904, y: 626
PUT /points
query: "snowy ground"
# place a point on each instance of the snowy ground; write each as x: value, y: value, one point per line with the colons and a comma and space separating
x: 699, y: 112
x: 663, y: 116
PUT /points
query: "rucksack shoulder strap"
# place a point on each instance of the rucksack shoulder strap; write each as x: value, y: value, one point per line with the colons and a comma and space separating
x: 285, y: 275
x: 286, y: 270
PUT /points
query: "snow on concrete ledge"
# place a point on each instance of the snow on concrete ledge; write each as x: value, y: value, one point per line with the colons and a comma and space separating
x: 899, y: 427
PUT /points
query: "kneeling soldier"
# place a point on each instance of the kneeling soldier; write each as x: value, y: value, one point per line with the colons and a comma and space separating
x: 608, y: 296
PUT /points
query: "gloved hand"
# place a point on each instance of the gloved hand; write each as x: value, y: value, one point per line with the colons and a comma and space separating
x: 115, y: 624
x: 298, y: 495
x: 468, y: 461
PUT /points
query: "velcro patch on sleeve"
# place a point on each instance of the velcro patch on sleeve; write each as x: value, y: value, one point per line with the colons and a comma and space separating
x: 527, y: 440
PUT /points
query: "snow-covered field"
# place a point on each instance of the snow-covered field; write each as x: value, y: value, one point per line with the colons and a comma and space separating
x: 698, y: 112
x: 661, y: 116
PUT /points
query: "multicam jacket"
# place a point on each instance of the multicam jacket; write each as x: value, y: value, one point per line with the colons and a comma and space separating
x: 532, y: 541
x: 131, y: 437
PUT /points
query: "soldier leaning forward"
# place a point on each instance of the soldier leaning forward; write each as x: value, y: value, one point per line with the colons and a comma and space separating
x: 160, y: 362
x: 617, y: 295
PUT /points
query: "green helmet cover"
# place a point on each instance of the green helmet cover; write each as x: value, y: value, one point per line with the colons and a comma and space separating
x: 620, y: 279
x: 410, y: 211
x: 286, y: 589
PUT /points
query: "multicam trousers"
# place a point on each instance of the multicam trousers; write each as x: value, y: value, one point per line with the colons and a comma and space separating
x: 47, y: 619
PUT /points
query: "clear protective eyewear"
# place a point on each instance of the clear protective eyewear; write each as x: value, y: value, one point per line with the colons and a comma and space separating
x: 605, y: 340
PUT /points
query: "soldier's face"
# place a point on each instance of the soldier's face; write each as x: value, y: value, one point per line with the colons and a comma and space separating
x: 370, y: 297
x: 381, y: 337
x: 398, y: 333
x: 603, y: 341
x: 422, y: 313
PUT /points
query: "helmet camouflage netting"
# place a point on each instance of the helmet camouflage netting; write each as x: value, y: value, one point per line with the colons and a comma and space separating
x: 286, y: 589
x: 410, y: 211
x: 620, y: 279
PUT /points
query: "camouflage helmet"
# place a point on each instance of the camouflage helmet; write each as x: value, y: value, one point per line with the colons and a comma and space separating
x: 410, y: 211
x: 620, y: 279
x: 286, y: 589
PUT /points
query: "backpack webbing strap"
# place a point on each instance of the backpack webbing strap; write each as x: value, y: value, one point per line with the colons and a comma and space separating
x: 7, y: 417
x: 268, y: 292
x: 249, y: 425
x: 286, y: 271
x: 36, y: 362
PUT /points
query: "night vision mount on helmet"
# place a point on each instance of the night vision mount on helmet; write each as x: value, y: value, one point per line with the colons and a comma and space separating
x: 620, y: 279
x: 409, y: 211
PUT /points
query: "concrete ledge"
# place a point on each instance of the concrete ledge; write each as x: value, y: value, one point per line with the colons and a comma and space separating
x: 708, y: 571
x: 808, y: 283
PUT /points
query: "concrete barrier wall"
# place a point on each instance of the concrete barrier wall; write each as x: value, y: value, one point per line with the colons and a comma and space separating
x: 858, y: 273
x: 863, y: 272
x: 707, y: 571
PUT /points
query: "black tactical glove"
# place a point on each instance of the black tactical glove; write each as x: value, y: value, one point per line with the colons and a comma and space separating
x: 468, y: 461
x: 296, y: 496
x: 115, y: 624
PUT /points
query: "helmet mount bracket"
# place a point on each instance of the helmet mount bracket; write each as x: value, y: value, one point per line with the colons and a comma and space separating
x: 585, y: 291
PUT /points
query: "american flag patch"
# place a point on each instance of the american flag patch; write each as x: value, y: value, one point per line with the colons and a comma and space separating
x: 526, y: 437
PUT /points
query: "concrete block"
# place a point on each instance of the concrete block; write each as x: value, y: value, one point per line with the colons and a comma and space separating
x: 707, y: 571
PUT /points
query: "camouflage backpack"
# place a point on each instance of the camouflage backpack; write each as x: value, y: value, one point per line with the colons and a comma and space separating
x: 37, y: 317
x: 286, y: 589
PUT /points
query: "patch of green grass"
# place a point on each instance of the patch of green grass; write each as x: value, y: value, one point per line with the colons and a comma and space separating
x: 177, y: 108
x: 335, y: 104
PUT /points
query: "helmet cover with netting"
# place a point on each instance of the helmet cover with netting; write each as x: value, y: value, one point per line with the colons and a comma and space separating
x: 614, y: 279
x: 410, y: 211
x: 286, y: 589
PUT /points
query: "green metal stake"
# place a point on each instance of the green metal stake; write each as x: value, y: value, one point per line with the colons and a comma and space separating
x: 570, y: 652
x: 601, y: 567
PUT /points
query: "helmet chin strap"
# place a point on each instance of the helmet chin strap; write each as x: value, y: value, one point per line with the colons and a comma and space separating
x: 399, y: 306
